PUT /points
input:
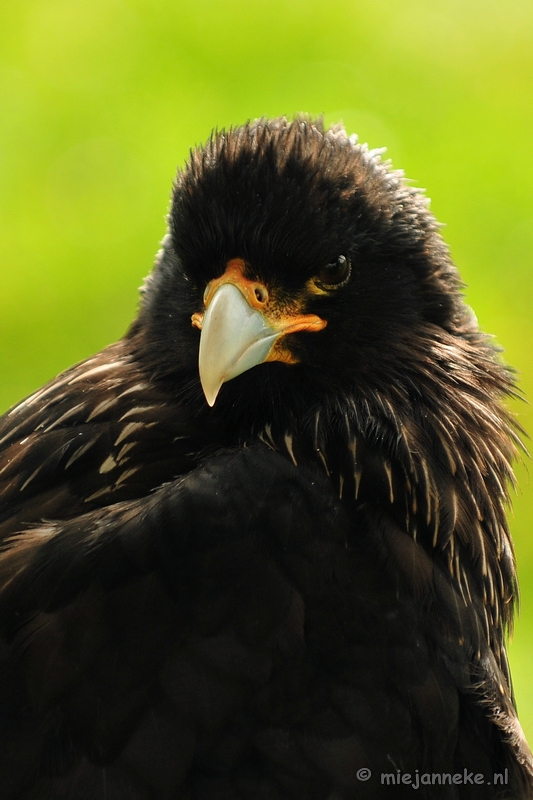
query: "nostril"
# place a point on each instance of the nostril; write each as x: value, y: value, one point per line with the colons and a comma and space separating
x: 261, y: 294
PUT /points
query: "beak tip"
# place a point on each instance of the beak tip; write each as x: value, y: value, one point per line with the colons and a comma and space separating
x: 211, y: 393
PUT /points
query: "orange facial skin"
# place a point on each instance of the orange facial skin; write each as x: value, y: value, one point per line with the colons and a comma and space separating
x: 258, y: 298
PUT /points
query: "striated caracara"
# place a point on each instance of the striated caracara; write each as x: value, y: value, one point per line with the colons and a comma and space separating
x: 257, y: 549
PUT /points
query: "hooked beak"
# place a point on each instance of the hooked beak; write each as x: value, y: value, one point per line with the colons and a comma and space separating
x: 241, y: 328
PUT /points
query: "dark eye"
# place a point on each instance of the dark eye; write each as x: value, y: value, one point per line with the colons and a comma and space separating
x: 334, y: 274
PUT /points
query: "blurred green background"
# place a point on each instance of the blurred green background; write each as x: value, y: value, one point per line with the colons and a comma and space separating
x: 100, y: 100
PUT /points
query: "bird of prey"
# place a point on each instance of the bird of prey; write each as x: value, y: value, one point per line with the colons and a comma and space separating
x: 257, y: 549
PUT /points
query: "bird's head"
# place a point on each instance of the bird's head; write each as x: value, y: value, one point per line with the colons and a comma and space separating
x: 298, y: 265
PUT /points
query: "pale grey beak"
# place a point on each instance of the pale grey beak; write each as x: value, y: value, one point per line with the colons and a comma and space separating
x: 235, y: 337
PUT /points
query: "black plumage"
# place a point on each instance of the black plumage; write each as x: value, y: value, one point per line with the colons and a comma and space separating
x: 256, y: 596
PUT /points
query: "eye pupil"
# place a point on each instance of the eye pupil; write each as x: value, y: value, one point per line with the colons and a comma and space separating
x: 334, y: 273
